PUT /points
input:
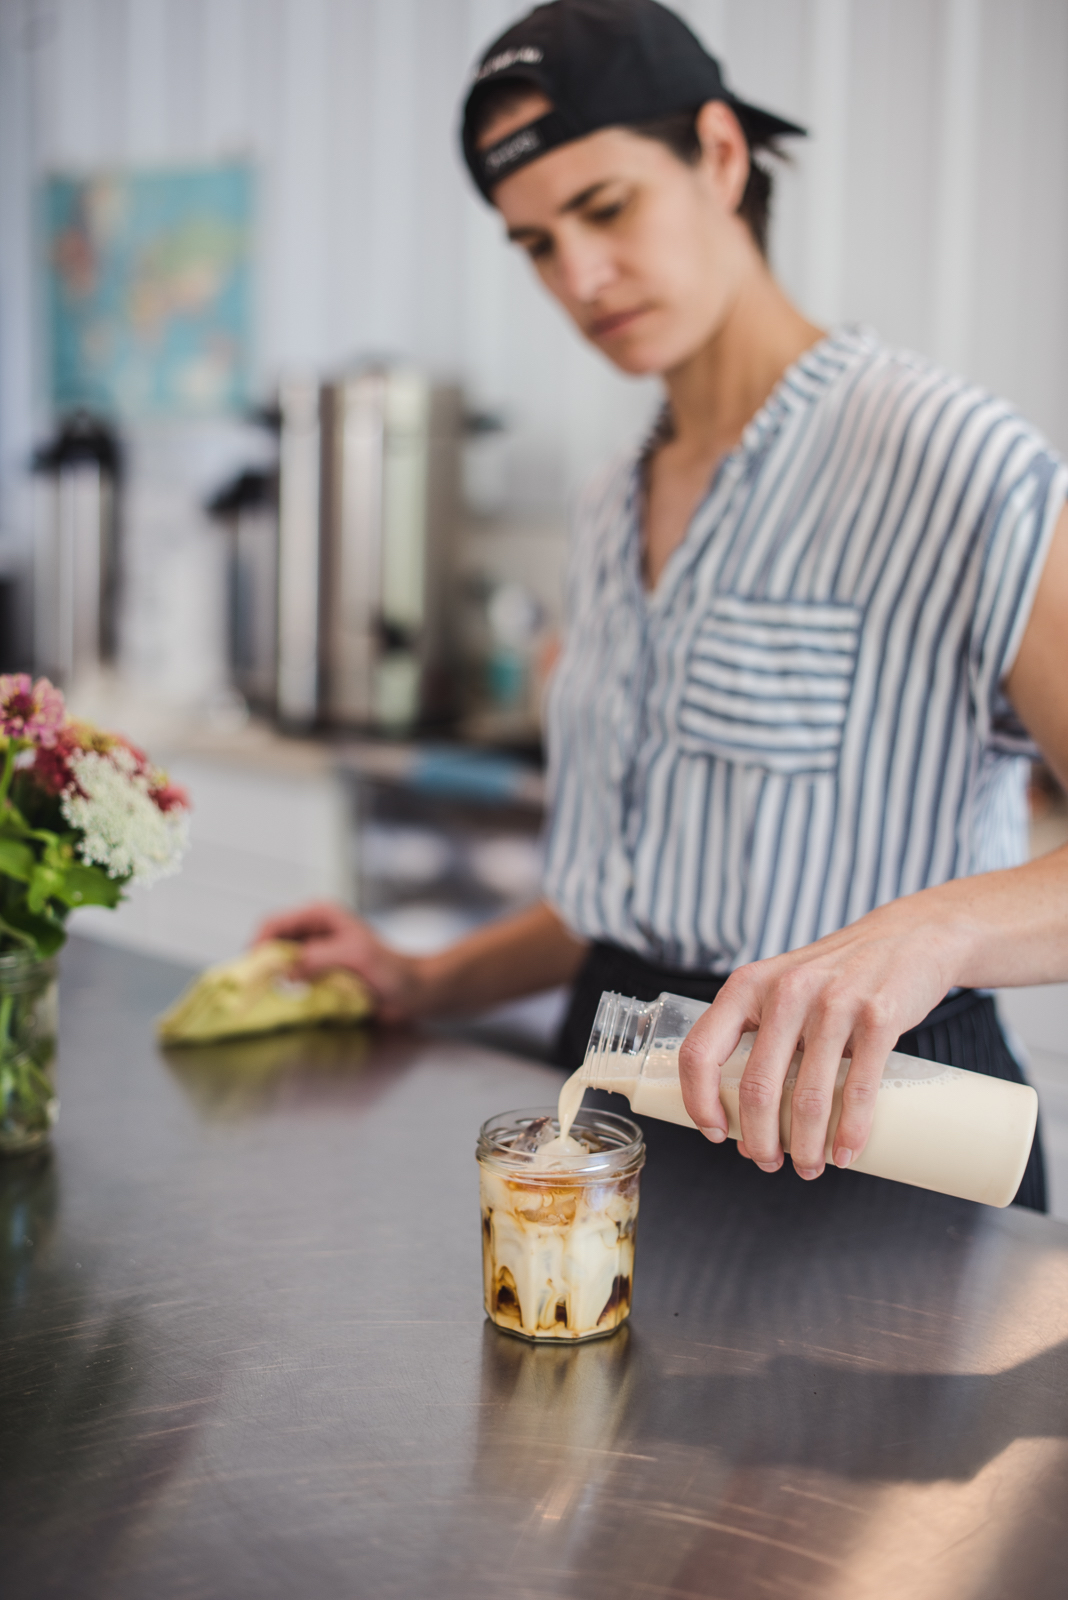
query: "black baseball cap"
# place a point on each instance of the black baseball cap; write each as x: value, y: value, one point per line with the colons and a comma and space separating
x: 602, y: 64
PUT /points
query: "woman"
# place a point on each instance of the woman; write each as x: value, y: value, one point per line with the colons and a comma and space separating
x: 814, y: 626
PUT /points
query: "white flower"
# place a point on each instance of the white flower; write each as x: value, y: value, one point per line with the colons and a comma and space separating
x: 123, y: 830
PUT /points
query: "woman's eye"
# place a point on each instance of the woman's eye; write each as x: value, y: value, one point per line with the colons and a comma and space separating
x: 539, y: 249
x: 607, y: 213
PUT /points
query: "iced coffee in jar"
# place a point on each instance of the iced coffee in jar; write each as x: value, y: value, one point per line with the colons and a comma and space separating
x: 558, y: 1222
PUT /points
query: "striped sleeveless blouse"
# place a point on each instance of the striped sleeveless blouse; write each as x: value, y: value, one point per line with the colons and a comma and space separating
x: 806, y: 718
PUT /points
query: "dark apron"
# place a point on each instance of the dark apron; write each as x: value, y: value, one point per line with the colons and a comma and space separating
x: 963, y: 1031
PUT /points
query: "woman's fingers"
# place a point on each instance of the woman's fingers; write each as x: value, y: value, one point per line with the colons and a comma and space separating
x: 331, y: 937
x: 305, y: 922
x: 871, y: 1046
x: 707, y: 1045
x: 319, y: 955
x: 856, y: 990
x: 760, y: 1095
x: 353, y: 946
x: 779, y: 997
x: 391, y: 976
x: 812, y: 1008
x: 812, y: 1101
x: 699, y: 1076
x: 794, y: 1004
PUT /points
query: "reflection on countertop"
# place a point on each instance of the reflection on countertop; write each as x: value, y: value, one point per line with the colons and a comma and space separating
x: 247, y: 1354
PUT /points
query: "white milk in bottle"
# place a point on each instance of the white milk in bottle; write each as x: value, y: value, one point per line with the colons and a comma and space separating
x: 936, y: 1127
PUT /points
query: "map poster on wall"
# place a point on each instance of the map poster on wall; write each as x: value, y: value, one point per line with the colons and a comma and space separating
x: 149, y: 290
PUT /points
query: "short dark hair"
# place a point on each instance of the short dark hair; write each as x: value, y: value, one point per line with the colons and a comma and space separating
x: 678, y: 132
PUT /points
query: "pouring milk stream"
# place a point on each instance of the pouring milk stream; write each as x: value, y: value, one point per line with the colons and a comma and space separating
x: 936, y: 1127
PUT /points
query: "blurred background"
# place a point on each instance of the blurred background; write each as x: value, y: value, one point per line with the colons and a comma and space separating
x: 288, y: 436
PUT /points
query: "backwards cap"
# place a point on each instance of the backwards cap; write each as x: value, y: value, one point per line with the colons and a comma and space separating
x: 601, y: 64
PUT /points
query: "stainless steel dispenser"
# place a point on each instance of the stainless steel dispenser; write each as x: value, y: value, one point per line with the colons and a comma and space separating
x: 368, y: 502
x: 76, y: 554
x: 247, y: 507
x: 299, y: 462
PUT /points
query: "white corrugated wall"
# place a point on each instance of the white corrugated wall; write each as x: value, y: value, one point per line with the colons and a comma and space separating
x: 931, y: 203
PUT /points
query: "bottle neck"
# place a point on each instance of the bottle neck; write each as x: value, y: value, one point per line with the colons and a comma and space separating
x: 623, y: 1029
x: 633, y: 1038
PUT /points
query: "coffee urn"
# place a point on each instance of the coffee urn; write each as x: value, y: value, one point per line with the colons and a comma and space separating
x: 368, y: 507
x: 247, y: 508
x: 76, y: 550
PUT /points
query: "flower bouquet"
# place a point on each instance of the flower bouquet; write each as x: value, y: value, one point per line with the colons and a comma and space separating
x: 83, y: 813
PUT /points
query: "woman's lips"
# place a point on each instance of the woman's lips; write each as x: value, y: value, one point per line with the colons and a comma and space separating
x: 616, y: 322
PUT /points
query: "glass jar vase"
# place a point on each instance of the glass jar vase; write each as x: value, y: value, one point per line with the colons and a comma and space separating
x: 28, y: 1018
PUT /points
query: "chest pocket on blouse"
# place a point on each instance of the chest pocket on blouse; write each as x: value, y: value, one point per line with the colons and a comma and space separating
x: 768, y: 682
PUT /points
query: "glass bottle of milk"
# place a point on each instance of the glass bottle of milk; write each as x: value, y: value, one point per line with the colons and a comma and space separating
x: 937, y: 1127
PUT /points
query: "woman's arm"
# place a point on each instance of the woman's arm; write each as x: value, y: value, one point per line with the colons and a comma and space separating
x: 518, y: 955
x: 856, y: 991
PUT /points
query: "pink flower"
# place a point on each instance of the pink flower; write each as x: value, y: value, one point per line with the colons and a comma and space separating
x: 143, y: 764
x: 30, y: 711
x: 51, y: 767
x: 170, y: 797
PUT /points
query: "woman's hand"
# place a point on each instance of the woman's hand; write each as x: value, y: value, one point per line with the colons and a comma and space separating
x: 851, y: 994
x: 855, y: 992
x: 517, y: 955
x: 332, y: 937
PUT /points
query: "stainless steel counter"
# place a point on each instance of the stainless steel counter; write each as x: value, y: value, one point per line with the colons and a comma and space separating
x: 244, y: 1353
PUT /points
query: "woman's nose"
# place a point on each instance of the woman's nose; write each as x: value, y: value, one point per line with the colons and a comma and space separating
x: 585, y: 270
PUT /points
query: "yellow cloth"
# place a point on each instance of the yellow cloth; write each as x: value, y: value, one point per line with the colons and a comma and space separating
x: 254, y: 994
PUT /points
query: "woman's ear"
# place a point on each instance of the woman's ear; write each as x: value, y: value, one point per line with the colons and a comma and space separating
x: 724, y: 152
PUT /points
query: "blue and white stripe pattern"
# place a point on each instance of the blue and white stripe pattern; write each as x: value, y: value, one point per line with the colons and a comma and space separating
x: 806, y: 718
x: 771, y: 680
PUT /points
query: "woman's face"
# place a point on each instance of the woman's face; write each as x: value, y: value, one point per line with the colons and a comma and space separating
x: 645, y: 253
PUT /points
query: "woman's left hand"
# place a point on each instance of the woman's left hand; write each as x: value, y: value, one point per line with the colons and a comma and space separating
x: 853, y: 994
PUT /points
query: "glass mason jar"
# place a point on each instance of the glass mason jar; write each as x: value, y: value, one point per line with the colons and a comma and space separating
x: 28, y: 1018
x: 558, y: 1242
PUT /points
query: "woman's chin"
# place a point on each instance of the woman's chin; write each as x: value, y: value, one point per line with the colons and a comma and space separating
x: 647, y: 358
x: 637, y: 360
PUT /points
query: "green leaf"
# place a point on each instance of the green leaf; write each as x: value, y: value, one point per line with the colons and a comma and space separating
x: 45, y: 932
x: 45, y: 882
x: 16, y: 860
x: 89, y: 886
x: 56, y: 853
x: 12, y: 820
